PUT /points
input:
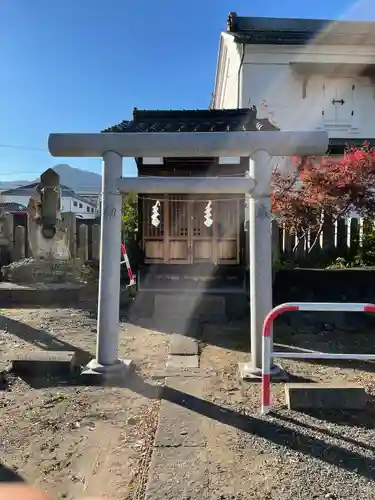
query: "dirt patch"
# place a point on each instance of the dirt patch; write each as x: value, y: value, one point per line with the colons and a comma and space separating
x: 78, y: 440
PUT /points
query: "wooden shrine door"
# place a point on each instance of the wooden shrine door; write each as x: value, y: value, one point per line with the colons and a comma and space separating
x: 183, y: 238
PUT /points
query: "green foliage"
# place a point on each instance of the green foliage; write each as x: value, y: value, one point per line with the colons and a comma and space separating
x: 366, y: 252
x: 129, y: 216
x: 339, y: 263
x: 130, y: 230
x: 357, y: 256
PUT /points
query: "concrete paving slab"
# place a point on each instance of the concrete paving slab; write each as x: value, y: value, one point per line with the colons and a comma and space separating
x: 183, y: 346
x: 45, y: 362
x: 179, y: 426
x: 161, y: 373
x: 210, y: 474
x: 300, y: 396
x: 183, y: 362
x: 178, y: 474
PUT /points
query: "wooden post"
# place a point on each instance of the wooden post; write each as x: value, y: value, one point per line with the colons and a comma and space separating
x: 9, y: 234
x: 289, y: 242
x: 275, y: 241
x: 354, y: 235
x: 83, y: 250
x: 19, y: 243
x: 342, y: 236
x: 95, y: 243
x: 70, y: 220
x: 215, y: 234
x: 328, y: 234
x: 166, y: 227
x: 300, y: 252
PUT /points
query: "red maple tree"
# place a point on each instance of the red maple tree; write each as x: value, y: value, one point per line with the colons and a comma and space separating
x: 331, y: 186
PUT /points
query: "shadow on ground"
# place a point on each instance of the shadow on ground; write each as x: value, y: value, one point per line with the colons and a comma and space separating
x: 287, y: 432
x: 234, y: 336
x: 37, y: 337
x: 8, y: 475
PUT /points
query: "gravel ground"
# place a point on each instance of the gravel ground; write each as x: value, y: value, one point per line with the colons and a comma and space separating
x: 296, y: 455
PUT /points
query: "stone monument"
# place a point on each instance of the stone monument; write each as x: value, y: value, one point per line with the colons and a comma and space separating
x: 50, y: 259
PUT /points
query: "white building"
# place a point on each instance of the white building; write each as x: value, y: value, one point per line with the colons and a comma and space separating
x: 301, y: 74
x: 70, y: 201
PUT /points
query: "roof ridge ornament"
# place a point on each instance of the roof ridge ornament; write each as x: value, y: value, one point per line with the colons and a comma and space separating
x: 232, y: 22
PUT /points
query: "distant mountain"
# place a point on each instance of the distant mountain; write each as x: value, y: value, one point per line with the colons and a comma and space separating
x: 12, y: 184
x: 75, y: 178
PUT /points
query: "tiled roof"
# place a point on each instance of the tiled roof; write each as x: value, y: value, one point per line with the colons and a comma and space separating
x: 280, y: 31
x: 29, y: 189
x: 199, y: 120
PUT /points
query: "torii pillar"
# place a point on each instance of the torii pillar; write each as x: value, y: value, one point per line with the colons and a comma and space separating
x: 258, y: 146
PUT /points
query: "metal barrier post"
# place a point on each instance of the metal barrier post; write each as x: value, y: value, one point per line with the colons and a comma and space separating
x: 267, y: 348
x: 127, y: 263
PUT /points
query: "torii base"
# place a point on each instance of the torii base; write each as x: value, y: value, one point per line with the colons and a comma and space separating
x: 247, y: 373
x: 97, y: 373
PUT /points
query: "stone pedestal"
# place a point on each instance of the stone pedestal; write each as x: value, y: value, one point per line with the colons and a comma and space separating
x: 34, y: 270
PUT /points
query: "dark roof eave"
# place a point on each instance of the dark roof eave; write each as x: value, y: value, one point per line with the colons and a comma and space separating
x: 294, y: 31
x: 226, y: 120
x: 271, y: 38
x: 339, y: 145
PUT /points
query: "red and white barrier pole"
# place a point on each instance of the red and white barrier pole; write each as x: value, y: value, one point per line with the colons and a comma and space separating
x: 268, y: 353
x: 127, y: 263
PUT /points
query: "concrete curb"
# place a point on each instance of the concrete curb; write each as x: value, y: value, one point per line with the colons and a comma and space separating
x: 12, y: 294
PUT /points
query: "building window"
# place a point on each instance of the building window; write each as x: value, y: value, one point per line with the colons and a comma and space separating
x: 92, y: 210
x: 87, y: 209
x: 80, y: 205
x: 74, y: 203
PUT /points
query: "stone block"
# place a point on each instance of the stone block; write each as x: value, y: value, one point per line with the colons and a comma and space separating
x: 30, y: 270
x: 301, y: 396
x: 183, y: 346
x: 40, y: 363
x: 41, y: 294
x: 176, y: 362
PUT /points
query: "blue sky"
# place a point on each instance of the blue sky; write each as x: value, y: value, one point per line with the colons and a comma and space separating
x: 82, y: 65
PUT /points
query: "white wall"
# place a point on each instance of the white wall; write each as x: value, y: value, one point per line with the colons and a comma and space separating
x: 22, y: 200
x: 68, y: 204
x: 268, y: 79
x: 228, y: 76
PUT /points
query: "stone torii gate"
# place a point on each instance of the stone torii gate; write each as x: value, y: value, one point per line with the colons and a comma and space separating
x: 258, y: 146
